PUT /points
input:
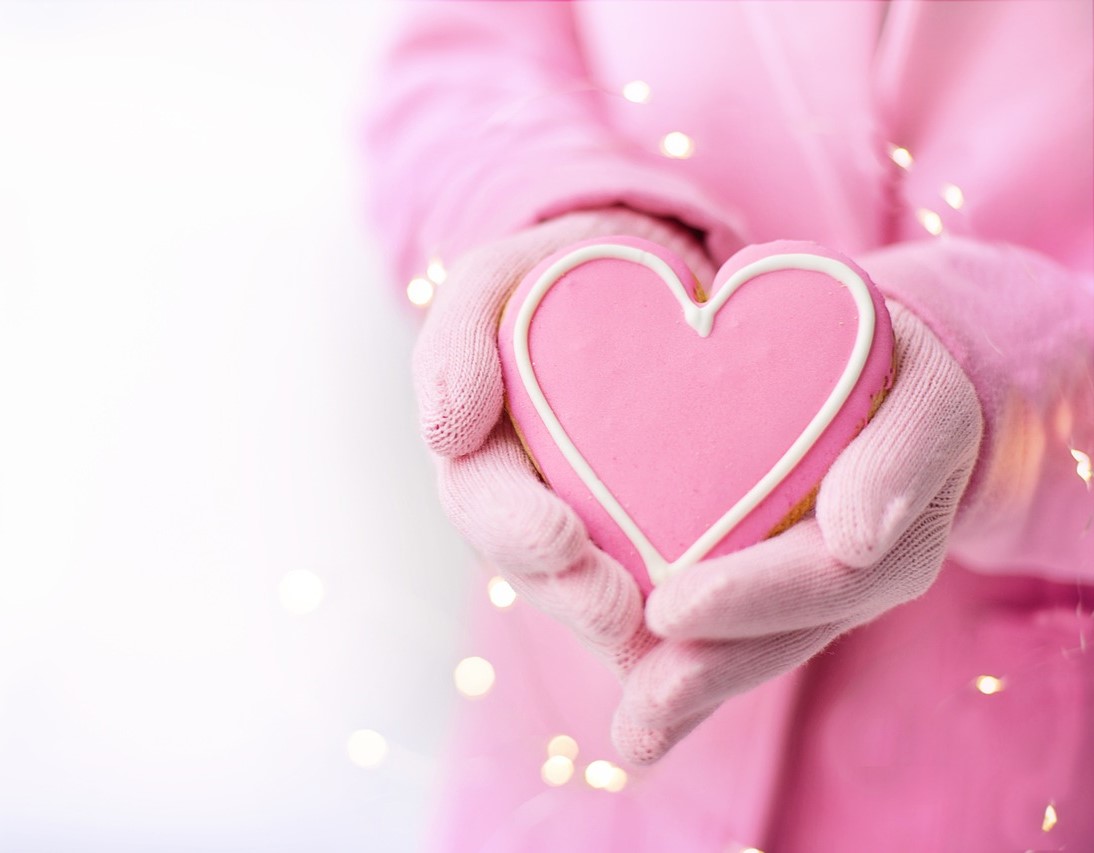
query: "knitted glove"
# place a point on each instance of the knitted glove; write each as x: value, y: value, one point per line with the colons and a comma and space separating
x: 884, y: 514
x: 488, y: 486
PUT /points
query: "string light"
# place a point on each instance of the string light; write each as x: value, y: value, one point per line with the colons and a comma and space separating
x: 501, y: 594
x: 617, y: 780
x: 901, y: 156
x: 677, y: 145
x: 989, y: 684
x: 1082, y: 465
x: 300, y: 591
x: 557, y: 770
x: 605, y: 776
x: 952, y: 195
x: 436, y: 272
x: 366, y: 748
x: 562, y: 745
x: 474, y: 676
x: 420, y: 291
x: 930, y: 220
x: 597, y: 773
x: 637, y: 91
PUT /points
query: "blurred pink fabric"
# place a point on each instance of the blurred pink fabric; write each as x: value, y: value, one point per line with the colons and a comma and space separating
x: 499, y: 115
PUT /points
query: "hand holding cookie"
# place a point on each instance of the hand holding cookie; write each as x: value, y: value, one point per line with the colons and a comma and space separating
x: 734, y: 607
x: 685, y: 423
x: 488, y: 486
x: 883, y: 518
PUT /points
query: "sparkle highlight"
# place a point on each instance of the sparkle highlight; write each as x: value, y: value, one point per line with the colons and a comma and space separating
x: 617, y: 781
x: 989, y: 684
x: 501, y: 594
x: 930, y: 221
x: 367, y: 748
x: 952, y: 195
x: 562, y: 745
x: 436, y: 272
x: 605, y: 776
x: 557, y: 770
x: 1049, y: 820
x: 597, y: 773
x: 474, y: 676
x: 901, y: 156
x: 677, y: 145
x: 637, y: 91
x: 1082, y: 465
x: 420, y: 291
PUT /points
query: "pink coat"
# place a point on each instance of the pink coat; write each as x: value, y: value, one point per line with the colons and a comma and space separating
x: 498, y: 115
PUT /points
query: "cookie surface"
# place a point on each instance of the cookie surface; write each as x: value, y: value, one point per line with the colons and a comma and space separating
x: 680, y: 429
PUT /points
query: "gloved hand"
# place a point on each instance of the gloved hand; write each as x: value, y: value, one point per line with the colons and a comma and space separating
x: 488, y: 487
x: 883, y: 517
x: 884, y: 511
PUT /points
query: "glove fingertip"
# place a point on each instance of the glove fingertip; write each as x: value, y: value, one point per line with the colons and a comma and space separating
x: 664, y: 614
x: 495, y: 499
x: 457, y: 413
x: 638, y: 744
x: 458, y: 379
x: 646, y: 745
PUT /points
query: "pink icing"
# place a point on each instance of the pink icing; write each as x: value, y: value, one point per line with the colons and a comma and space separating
x: 678, y: 426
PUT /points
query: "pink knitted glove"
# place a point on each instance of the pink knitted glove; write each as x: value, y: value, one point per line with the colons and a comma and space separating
x: 488, y: 487
x: 884, y: 515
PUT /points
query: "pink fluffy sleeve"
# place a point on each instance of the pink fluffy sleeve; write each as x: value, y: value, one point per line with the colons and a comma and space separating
x: 1022, y: 326
x: 996, y: 98
x: 488, y: 123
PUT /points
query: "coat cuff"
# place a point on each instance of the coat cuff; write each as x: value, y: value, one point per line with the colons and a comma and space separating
x: 1022, y: 328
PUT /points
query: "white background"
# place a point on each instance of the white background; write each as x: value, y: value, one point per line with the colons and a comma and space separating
x: 204, y: 386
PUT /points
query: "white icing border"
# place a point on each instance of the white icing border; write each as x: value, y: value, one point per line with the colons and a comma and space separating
x: 701, y: 318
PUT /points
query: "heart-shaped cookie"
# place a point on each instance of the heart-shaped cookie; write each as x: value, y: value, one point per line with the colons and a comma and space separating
x: 681, y: 424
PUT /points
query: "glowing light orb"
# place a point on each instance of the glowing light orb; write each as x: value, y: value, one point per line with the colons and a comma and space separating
x: 952, y: 195
x: 617, y: 781
x: 677, y: 145
x: 901, y: 156
x: 1082, y: 465
x: 563, y: 745
x: 501, y: 594
x: 474, y: 676
x: 930, y: 221
x: 366, y: 748
x: 637, y: 91
x: 420, y: 291
x: 557, y: 770
x: 605, y: 776
x: 436, y: 272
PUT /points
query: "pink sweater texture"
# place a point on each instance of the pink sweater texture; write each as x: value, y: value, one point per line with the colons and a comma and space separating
x: 946, y: 147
